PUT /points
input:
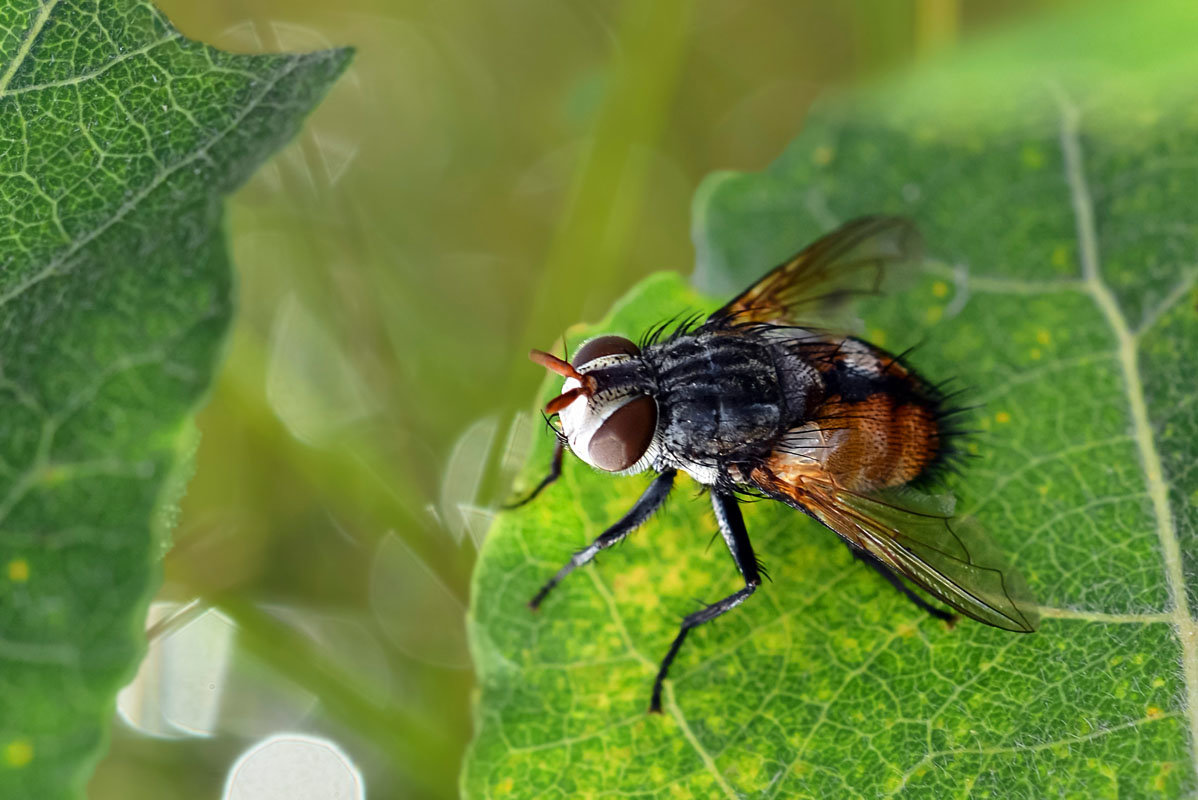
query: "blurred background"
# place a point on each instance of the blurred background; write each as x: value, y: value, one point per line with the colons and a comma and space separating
x: 485, y: 174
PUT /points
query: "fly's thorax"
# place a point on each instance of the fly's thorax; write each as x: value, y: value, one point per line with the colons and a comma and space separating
x: 615, y: 427
x: 720, y: 398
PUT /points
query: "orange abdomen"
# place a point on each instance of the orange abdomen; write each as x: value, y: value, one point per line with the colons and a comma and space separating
x: 878, y: 442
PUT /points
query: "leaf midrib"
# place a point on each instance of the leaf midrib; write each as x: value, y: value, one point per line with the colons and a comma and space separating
x: 35, y: 30
x: 1150, y: 461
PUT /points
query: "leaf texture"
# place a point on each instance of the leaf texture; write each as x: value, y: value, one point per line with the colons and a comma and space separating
x: 118, y: 138
x: 1055, y: 192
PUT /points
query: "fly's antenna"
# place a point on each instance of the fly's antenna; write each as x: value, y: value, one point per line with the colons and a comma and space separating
x: 566, y: 370
x: 555, y: 364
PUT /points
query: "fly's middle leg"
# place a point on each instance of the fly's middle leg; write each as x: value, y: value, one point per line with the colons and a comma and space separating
x: 732, y: 527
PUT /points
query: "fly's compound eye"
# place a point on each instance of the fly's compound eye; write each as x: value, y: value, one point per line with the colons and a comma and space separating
x: 604, y: 346
x: 624, y: 436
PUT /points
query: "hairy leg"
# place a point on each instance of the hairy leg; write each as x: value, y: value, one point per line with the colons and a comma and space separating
x: 555, y: 472
x: 732, y: 527
x: 648, y: 503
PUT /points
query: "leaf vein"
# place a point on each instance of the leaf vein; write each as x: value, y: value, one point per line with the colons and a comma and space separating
x: 161, y: 177
x: 1150, y: 460
x: 22, y: 53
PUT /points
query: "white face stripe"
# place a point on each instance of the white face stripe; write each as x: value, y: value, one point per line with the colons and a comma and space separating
x: 583, y: 418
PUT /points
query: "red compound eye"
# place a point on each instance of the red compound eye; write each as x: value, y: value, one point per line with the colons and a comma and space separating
x: 624, y: 436
x: 604, y: 346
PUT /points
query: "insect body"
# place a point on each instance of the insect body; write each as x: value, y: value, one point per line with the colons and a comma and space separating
x: 759, y: 399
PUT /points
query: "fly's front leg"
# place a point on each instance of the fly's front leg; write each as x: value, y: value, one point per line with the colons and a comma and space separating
x: 648, y: 503
x: 732, y: 527
x: 555, y: 472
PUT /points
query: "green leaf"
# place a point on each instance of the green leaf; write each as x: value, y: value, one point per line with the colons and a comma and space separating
x: 1056, y: 194
x: 118, y: 138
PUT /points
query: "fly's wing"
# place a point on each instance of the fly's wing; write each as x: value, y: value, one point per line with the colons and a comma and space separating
x: 819, y: 281
x: 951, y: 557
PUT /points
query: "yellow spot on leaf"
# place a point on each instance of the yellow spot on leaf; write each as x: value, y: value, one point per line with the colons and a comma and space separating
x: 53, y: 474
x: 1158, y: 682
x: 940, y: 289
x: 1032, y: 156
x: 1153, y: 712
x: 823, y: 155
x: 1002, y: 417
x: 630, y: 579
x: 18, y: 752
x: 933, y: 314
x: 1035, y: 354
x: 18, y: 570
x: 672, y: 583
x: 878, y: 337
x: 1060, y: 256
x: 1043, y: 336
x: 748, y: 770
x: 1162, y: 776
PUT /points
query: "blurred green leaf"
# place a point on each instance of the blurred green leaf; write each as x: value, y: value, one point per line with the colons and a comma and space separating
x: 1056, y: 195
x: 119, y: 139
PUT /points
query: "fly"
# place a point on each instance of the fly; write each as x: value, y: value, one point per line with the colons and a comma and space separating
x: 760, y: 400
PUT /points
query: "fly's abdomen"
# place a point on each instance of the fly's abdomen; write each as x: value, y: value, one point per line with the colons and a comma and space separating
x: 880, y: 426
x: 879, y: 442
x: 719, y: 398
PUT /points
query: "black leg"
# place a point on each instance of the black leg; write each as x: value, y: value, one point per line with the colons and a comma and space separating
x: 555, y: 472
x: 732, y: 526
x: 649, y: 502
x: 897, y: 583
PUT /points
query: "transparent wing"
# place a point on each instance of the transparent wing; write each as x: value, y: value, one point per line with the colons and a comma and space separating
x: 919, y: 538
x: 817, y: 283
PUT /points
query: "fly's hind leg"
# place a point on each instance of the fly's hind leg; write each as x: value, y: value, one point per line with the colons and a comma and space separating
x: 732, y: 526
x: 897, y: 582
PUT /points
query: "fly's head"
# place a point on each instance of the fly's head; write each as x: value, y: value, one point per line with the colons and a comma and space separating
x: 606, y: 407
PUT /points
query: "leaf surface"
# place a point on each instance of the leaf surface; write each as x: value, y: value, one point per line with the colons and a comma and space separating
x: 118, y: 138
x: 1055, y: 192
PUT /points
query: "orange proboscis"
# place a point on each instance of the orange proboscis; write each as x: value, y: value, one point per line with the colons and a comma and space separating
x: 566, y: 370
